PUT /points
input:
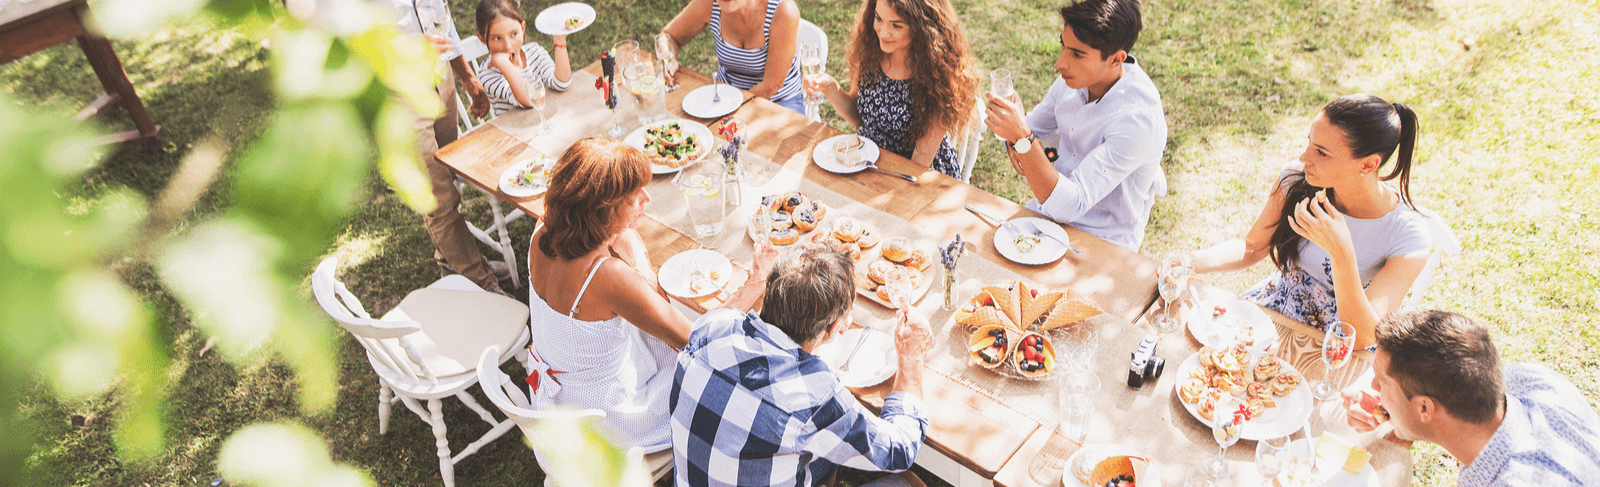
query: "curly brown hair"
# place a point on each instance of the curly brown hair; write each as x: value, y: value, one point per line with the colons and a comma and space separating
x: 591, y: 180
x: 944, y: 86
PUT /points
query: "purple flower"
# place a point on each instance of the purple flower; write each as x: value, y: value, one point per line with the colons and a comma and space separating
x: 950, y: 255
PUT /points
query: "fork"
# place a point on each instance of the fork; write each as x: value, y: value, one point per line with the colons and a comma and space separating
x: 697, y: 274
x: 1034, y: 229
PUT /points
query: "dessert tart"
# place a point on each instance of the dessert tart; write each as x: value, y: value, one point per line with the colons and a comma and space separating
x: 1035, y: 356
x: 990, y: 345
x: 792, y: 211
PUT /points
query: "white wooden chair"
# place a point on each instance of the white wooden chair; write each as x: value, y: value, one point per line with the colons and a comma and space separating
x: 507, y: 395
x: 427, y: 348
x: 500, y: 241
x: 1444, y: 243
x: 968, y: 140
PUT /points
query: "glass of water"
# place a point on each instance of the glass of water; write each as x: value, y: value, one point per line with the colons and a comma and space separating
x: 1079, y: 388
x: 702, y: 186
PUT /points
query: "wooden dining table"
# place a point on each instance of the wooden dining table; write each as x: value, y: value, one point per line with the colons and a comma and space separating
x: 978, y: 436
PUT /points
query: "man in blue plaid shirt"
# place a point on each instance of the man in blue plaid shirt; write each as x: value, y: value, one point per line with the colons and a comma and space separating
x: 752, y: 406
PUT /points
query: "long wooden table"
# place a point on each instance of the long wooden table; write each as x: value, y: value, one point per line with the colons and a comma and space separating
x: 974, y: 436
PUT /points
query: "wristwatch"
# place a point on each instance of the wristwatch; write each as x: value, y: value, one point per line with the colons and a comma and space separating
x: 1023, y: 144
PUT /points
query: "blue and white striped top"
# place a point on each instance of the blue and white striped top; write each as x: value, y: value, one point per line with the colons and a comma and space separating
x: 743, y: 68
x: 540, y: 69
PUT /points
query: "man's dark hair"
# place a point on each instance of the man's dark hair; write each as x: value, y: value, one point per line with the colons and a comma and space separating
x: 1106, y: 25
x: 809, y: 289
x: 1447, y: 357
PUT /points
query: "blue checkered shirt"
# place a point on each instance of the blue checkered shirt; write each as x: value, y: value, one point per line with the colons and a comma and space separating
x: 1550, y: 435
x: 750, y: 408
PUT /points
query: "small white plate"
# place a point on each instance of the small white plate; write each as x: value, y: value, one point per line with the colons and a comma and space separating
x: 1332, y: 473
x: 1291, y: 413
x: 553, y: 20
x: 674, y: 273
x: 698, y: 103
x: 510, y: 187
x: 1070, y: 479
x: 1213, y: 332
x: 823, y: 155
x: 1045, y: 252
x: 876, y: 362
x: 703, y: 133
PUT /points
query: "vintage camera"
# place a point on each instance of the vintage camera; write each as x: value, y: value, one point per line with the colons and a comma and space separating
x: 1145, y: 366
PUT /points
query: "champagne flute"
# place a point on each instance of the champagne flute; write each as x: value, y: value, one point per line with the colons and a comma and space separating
x: 1001, y: 85
x: 1272, y: 456
x: 1225, y: 426
x: 1338, y: 344
x: 1171, y: 278
x: 667, y: 52
x: 811, y: 61
x: 537, y: 92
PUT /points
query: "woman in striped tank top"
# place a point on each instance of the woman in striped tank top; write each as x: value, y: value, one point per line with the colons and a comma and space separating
x: 756, y: 41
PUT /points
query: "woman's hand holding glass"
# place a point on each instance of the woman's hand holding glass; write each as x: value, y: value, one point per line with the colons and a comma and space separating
x: 820, y: 85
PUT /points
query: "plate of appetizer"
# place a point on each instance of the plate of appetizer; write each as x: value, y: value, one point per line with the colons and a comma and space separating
x: 671, y: 144
x: 1273, y: 399
x: 1101, y: 464
x: 876, y: 362
x: 564, y: 18
x: 1024, y: 248
x: 826, y: 154
x: 1016, y: 329
x: 1219, y: 323
x: 529, y: 177
x: 786, y: 217
x: 695, y: 273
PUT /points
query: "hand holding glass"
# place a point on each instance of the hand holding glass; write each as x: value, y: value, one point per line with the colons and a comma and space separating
x: 1172, y: 277
x: 667, y: 52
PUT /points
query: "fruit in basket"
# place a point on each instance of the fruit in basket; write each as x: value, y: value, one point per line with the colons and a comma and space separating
x: 1035, y: 356
x: 1070, y: 310
x: 990, y: 345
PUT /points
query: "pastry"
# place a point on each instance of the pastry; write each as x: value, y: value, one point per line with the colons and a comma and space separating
x: 1284, y: 383
x: 772, y: 202
x: 1009, y: 298
x: 781, y: 221
x: 1254, y: 406
x: 794, y: 199
x: 913, y: 275
x: 1070, y: 310
x: 1228, y: 383
x: 883, y: 293
x: 825, y: 239
x: 1267, y: 368
x: 1203, y: 373
x: 1208, y: 403
x: 868, y: 238
x: 852, y: 251
x: 667, y: 144
x: 1259, y: 389
x: 1208, y: 358
x: 882, y: 271
x: 897, y: 249
x: 804, y: 219
x: 990, y: 345
x: 862, y: 281
x: 1034, y: 356
x: 1191, y: 389
x: 818, y: 209
x: 920, y: 260
x: 784, y: 237
x: 1227, y: 362
x: 847, y: 229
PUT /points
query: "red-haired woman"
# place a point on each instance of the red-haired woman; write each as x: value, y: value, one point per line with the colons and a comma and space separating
x: 604, y: 335
x: 913, y: 80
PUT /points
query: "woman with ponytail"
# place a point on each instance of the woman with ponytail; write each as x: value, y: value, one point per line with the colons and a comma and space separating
x: 1339, y: 224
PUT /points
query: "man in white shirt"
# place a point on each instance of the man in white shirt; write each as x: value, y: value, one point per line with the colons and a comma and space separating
x: 1105, y: 172
x: 457, y: 250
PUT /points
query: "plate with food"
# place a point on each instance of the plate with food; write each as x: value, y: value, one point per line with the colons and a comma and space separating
x: 564, y: 18
x: 528, y: 177
x: 1340, y: 463
x: 895, y: 259
x: 1219, y: 323
x: 1106, y: 464
x: 876, y: 362
x: 827, y: 153
x: 787, y: 217
x: 1017, y: 328
x: 671, y: 144
x: 695, y: 273
x: 1271, y: 390
x: 1024, y: 248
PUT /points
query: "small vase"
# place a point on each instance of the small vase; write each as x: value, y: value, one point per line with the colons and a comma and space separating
x: 736, y: 188
x: 951, y: 278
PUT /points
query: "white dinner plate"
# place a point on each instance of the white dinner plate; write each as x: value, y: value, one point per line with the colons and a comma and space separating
x: 553, y: 20
x: 698, y: 103
x: 823, y: 155
x: 1291, y: 413
x: 512, y: 188
x: 1070, y: 479
x: 1331, y: 472
x: 1045, y: 252
x: 674, y: 273
x: 703, y: 133
x: 876, y: 362
x: 1215, y: 332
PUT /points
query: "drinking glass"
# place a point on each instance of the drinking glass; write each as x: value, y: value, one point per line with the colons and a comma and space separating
x: 537, y: 92
x: 667, y: 52
x: 1225, y: 425
x: 1081, y: 343
x: 811, y: 62
x: 1338, y: 344
x: 1000, y: 84
x: 644, y: 82
x: 1198, y: 476
x: 1171, y: 278
x: 702, y: 186
x: 1301, y: 462
x: 626, y: 53
x: 761, y: 224
x: 1272, y: 457
x: 1078, y: 391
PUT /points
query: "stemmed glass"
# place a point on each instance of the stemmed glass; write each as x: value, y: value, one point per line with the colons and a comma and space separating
x: 811, y: 61
x: 667, y: 52
x: 1225, y: 426
x: 536, y: 91
x: 625, y: 54
x: 1172, y: 277
x: 1001, y: 85
x: 1272, y: 456
x: 1338, y: 344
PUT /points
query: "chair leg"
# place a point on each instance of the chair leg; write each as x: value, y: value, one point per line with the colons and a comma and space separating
x: 508, y: 251
x: 446, y: 467
x: 384, y: 401
x: 473, y: 405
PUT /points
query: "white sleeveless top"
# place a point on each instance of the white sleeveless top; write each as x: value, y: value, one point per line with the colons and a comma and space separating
x: 609, y: 365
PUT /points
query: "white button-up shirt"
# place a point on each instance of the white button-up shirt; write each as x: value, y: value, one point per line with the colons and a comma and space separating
x: 1109, y: 156
x: 410, y: 16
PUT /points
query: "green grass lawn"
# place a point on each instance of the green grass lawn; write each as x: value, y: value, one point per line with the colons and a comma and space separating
x: 1504, y: 90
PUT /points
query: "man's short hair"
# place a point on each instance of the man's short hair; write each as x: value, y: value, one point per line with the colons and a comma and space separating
x: 809, y: 289
x: 1447, y: 357
x: 1106, y: 25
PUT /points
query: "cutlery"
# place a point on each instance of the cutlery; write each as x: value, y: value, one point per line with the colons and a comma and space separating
x: 845, y: 367
x: 1006, y: 224
x: 1033, y: 229
x: 907, y: 177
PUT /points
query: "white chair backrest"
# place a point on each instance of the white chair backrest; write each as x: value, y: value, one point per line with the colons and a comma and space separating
x: 385, y: 341
x: 474, y: 50
x: 813, y: 35
x: 970, y: 139
x: 506, y: 394
x: 1444, y: 243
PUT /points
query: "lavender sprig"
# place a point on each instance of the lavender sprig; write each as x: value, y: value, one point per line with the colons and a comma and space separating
x: 950, y: 255
x: 730, y: 152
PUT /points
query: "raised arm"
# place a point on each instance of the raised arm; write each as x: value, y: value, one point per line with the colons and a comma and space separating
x: 1324, y: 225
x: 783, y: 39
x: 843, y: 102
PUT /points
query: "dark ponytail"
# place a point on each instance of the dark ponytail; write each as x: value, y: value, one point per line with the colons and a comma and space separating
x: 1371, y: 126
x: 489, y: 10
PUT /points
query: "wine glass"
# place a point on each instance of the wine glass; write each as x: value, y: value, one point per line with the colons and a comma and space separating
x: 1001, y: 85
x: 1171, y: 278
x: 667, y: 52
x: 1272, y: 456
x: 1338, y: 345
x: 761, y: 225
x: 1225, y: 426
x: 537, y: 92
x: 811, y: 61
x: 1301, y: 462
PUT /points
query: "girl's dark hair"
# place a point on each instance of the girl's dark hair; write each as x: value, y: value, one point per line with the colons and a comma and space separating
x: 944, y: 86
x: 1371, y: 126
x: 488, y: 10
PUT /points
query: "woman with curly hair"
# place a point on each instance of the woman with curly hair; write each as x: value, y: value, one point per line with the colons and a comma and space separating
x: 913, y: 79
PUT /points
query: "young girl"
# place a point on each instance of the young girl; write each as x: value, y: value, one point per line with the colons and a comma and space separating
x: 500, y: 25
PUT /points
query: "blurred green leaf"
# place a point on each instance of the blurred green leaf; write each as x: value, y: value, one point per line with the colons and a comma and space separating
x: 302, y: 178
x: 282, y: 454
x: 127, y: 19
x: 398, y: 160
x: 405, y: 63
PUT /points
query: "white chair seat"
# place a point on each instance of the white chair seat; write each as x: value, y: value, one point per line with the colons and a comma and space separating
x: 456, y: 325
